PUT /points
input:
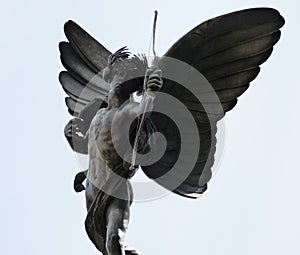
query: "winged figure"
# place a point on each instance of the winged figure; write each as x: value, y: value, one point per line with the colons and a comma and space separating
x: 225, y: 51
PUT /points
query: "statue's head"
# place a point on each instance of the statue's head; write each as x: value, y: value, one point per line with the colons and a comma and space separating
x: 125, y: 72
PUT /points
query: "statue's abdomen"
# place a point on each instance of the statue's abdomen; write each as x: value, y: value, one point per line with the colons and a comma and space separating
x: 105, y: 142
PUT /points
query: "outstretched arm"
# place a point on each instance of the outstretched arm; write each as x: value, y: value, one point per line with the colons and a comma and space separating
x: 143, y: 111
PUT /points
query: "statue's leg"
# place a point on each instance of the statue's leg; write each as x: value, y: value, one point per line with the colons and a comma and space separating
x: 117, y: 222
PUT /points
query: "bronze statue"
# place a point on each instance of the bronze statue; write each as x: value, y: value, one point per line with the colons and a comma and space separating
x: 120, y: 134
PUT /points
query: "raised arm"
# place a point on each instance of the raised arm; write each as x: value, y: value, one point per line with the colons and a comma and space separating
x: 137, y: 110
x: 152, y: 86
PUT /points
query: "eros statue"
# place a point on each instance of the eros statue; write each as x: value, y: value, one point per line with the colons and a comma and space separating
x: 206, y: 71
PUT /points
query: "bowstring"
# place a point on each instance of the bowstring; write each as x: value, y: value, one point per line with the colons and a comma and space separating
x: 147, y: 98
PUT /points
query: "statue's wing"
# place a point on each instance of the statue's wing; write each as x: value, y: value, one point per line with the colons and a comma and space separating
x: 228, y: 51
x: 84, y: 58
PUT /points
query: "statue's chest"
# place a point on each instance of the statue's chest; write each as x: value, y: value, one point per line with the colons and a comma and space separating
x: 104, y: 139
x: 103, y: 133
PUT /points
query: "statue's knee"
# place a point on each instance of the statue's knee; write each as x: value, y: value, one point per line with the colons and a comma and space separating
x: 113, y: 243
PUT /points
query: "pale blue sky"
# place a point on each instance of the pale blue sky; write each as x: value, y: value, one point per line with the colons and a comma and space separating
x: 252, y: 205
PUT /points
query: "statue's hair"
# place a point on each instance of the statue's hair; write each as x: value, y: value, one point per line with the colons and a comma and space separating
x: 134, y: 63
x: 120, y: 54
x: 140, y: 62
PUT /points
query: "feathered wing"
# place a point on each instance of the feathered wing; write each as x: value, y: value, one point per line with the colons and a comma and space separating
x: 227, y: 51
x: 84, y: 58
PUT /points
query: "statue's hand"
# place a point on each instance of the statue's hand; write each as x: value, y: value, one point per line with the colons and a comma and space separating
x: 155, y: 80
x: 79, y: 179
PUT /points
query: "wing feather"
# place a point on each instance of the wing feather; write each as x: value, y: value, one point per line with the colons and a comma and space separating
x: 74, y: 107
x: 79, y: 70
x: 84, y: 58
x: 93, y: 53
x: 75, y: 89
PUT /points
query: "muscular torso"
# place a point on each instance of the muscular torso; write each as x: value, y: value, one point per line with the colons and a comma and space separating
x: 103, y: 157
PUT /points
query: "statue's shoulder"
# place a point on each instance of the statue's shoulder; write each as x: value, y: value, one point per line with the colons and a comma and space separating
x: 128, y: 107
x: 100, y: 114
